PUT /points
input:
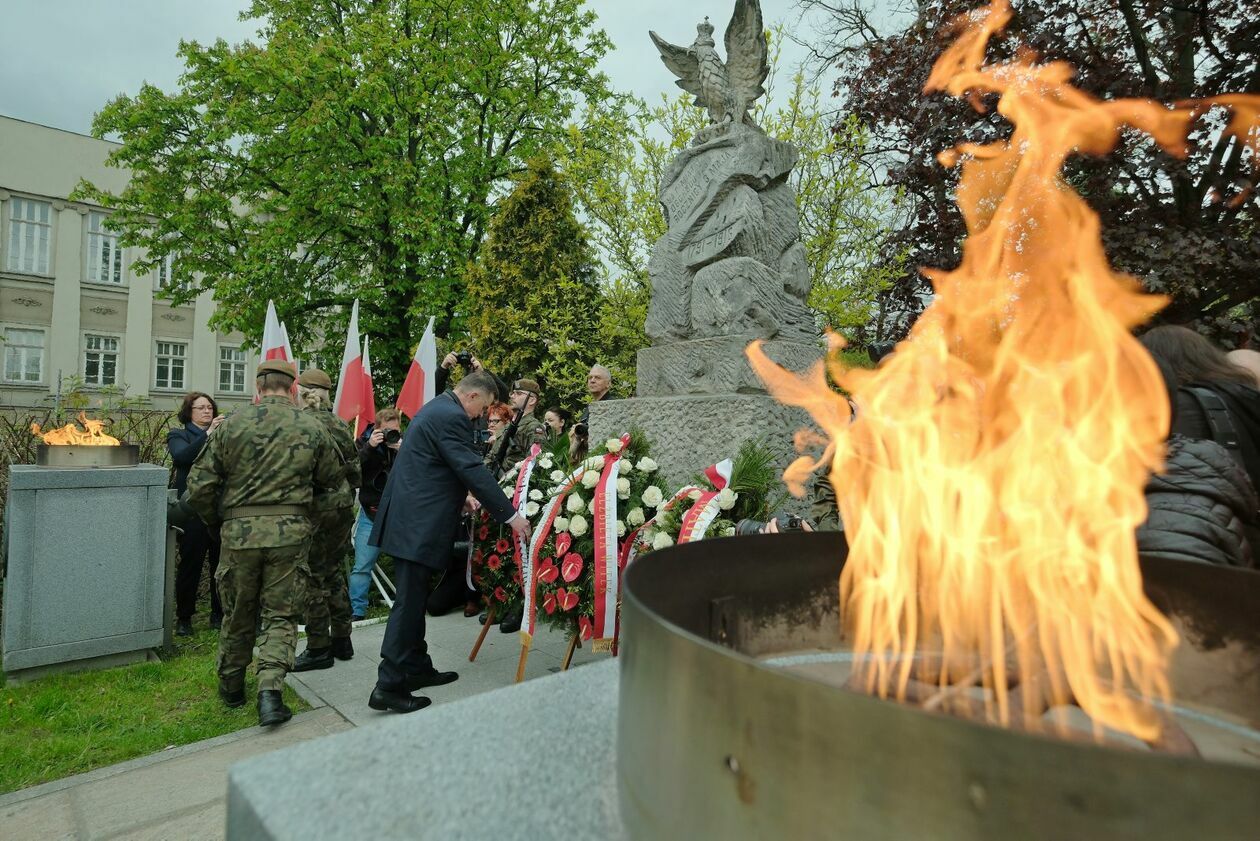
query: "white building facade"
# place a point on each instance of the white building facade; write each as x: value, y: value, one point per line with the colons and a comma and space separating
x: 70, y: 304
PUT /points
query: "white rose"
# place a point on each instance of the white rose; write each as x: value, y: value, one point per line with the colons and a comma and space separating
x: 726, y: 499
x: 590, y: 479
x: 613, y: 445
x: 635, y: 517
x: 646, y: 465
x: 535, y: 494
x: 595, y: 463
x: 627, y: 466
x: 578, y: 525
x: 621, y: 529
x: 623, y: 489
x: 729, y: 531
x: 546, y: 463
x: 652, y: 497
x: 662, y: 540
x: 531, y: 509
x: 557, y: 476
x: 590, y: 506
x: 562, y: 524
x: 575, y: 504
x: 694, y: 495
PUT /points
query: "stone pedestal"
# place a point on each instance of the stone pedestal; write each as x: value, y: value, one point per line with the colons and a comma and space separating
x: 691, y: 432
x: 714, y: 366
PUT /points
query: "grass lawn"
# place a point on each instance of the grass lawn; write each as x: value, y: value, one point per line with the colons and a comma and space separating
x: 67, y: 724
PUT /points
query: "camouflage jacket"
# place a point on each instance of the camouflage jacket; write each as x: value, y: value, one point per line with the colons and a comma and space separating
x: 263, y: 455
x: 529, y: 432
x: 348, y: 455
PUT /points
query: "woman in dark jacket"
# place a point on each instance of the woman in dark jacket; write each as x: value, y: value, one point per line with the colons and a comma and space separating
x: 1201, y: 507
x: 199, y: 415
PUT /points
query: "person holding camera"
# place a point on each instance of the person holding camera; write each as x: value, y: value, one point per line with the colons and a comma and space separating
x: 378, y: 448
x: 514, y: 443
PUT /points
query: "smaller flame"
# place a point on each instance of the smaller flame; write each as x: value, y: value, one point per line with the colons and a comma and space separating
x: 90, y: 436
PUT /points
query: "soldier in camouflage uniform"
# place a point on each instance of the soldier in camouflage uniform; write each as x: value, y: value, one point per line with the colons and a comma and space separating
x: 255, y: 480
x: 328, y: 599
x: 529, y: 431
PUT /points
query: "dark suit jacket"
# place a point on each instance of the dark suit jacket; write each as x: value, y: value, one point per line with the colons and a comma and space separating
x: 185, y: 445
x: 436, y: 466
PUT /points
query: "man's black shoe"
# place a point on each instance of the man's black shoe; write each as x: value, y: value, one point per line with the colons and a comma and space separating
x: 399, y: 702
x: 233, y: 698
x: 216, y: 621
x: 481, y: 620
x: 183, y: 628
x: 271, y: 708
x: 356, y: 618
x: 314, y: 658
x: 511, y: 623
x: 342, y: 648
x: 415, y: 682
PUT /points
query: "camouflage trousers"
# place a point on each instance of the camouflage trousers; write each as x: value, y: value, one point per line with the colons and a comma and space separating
x: 267, y: 585
x: 328, y: 598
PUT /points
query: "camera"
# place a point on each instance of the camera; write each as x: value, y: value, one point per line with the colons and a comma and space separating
x: 786, y: 522
x: 464, y: 358
x: 392, y: 436
x: 580, y: 429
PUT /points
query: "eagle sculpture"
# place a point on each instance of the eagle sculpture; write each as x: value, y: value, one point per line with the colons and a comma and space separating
x: 727, y: 90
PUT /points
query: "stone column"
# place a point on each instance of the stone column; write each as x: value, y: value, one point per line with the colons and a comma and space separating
x: 64, y: 342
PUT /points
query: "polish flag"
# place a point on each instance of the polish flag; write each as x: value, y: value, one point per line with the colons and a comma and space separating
x: 349, y: 400
x: 367, y: 411
x: 417, y: 389
x: 275, y: 342
x: 288, y: 348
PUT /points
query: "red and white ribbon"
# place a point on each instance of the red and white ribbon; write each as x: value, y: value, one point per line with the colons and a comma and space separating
x: 520, y: 499
x: 529, y: 581
x: 607, y: 568
x: 630, y: 547
x: 698, y: 518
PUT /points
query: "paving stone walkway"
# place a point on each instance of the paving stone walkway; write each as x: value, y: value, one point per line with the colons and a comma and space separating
x: 180, y: 793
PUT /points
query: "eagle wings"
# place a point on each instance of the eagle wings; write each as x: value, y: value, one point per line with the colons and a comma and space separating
x: 726, y: 90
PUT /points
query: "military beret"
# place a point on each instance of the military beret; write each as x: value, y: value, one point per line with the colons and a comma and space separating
x: 314, y: 378
x: 526, y: 384
x: 276, y: 366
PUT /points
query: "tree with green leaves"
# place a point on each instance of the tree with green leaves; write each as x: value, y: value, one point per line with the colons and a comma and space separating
x: 533, y: 294
x: 355, y: 152
x: 844, y: 220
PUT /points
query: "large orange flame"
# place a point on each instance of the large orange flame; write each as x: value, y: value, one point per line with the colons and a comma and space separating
x: 992, y: 480
x: 92, y: 434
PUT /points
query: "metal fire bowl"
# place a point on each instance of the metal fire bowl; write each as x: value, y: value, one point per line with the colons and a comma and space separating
x: 714, y: 743
x: 75, y: 455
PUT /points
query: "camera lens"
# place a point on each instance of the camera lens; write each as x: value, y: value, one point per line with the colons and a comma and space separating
x: 392, y: 436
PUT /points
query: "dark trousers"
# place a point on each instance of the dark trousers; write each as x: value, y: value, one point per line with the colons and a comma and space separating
x: 197, y: 544
x: 404, y: 651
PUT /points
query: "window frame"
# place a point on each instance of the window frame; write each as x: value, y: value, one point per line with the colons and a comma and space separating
x: 218, y: 371
x: 43, y: 330
x: 158, y: 341
x: 91, y: 258
x: 10, y: 263
x: 83, y: 358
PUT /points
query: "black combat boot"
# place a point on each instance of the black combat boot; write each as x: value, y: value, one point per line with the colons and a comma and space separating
x: 233, y: 696
x: 512, y: 622
x: 342, y: 648
x: 271, y: 708
x: 314, y: 658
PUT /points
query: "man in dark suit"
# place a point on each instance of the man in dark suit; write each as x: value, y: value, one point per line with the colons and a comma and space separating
x: 437, y: 467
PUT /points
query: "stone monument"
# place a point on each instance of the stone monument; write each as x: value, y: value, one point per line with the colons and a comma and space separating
x: 730, y: 269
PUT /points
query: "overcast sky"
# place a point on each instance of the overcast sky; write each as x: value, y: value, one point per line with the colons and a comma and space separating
x: 64, y: 59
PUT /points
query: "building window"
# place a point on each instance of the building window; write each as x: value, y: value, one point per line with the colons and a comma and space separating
x: 23, y: 355
x: 30, y: 235
x: 100, y: 360
x: 169, y: 370
x: 104, y: 264
x: 231, y: 370
x: 164, y: 272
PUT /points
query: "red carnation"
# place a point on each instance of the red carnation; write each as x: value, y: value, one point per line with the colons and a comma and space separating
x: 568, y: 599
x: 500, y: 594
x: 548, y: 572
x: 483, y: 532
x: 563, y: 542
x: 502, y: 545
x: 477, y: 557
x: 571, y: 567
x: 494, y: 562
x: 585, y: 629
x: 549, y: 603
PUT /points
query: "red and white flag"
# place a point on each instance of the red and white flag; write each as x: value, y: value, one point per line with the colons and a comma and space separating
x: 275, y: 344
x: 418, y: 388
x: 348, y: 402
x: 288, y: 348
x: 367, y: 408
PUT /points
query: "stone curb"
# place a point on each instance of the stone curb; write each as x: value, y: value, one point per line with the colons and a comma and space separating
x: 139, y: 762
